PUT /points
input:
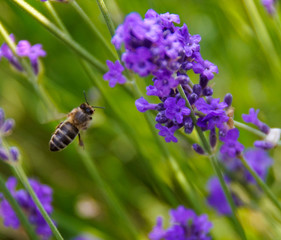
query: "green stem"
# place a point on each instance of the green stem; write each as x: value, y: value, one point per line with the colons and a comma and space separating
x: 108, y: 21
x: 23, y: 178
x: 24, y: 221
x: 62, y: 36
x: 263, y: 36
x: 216, y: 167
x: 95, y: 30
x: 261, y: 183
x: 108, y: 194
x: 185, y: 183
x: 249, y: 129
x: 30, y: 76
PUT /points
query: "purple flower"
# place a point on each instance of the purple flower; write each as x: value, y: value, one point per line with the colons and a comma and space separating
x: 114, y: 75
x: 24, y: 49
x: 215, y: 113
x: 231, y: 146
x: 176, y: 109
x: 263, y: 145
x: 260, y: 161
x: 216, y: 198
x: 85, y: 238
x: 139, y: 61
x: 166, y: 132
x: 190, y: 43
x: 9, y: 155
x: 156, y: 46
x: 185, y: 224
x: 158, y: 232
x: 252, y: 117
x: 213, y: 106
x: 6, y: 125
x: 205, y: 68
x: 164, y: 85
x: 7, y: 53
x: 172, y: 46
x: 43, y: 192
x: 197, y: 148
x: 269, y: 6
x: 143, y: 105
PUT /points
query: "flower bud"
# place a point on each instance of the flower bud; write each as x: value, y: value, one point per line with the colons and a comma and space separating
x: 7, y: 126
x: 14, y: 153
x: 192, y: 98
x: 197, y: 89
x: 228, y: 99
x: 2, y: 117
x: 208, y: 91
x: 197, y: 148
x: 3, y: 154
x: 203, y: 81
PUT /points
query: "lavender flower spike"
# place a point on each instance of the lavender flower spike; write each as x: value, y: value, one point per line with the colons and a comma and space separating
x: 231, y: 146
x: 6, y: 125
x: 166, y: 132
x: 183, y: 221
x: 217, y: 199
x: 269, y: 5
x: 252, y: 117
x: 260, y: 161
x: 24, y: 49
x: 43, y: 192
x: 271, y: 140
x: 176, y: 109
x: 12, y: 155
x: 7, y: 53
x: 114, y: 75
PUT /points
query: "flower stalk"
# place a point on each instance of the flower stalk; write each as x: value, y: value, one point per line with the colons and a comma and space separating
x: 261, y: 183
x: 95, y: 30
x: 61, y: 35
x: 216, y: 167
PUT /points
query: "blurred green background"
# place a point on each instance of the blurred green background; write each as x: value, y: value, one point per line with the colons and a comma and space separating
x: 238, y: 36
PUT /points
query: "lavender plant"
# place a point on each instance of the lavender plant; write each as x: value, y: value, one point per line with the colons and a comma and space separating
x: 35, y: 202
x: 25, y: 201
x: 165, y: 53
x: 185, y: 224
x: 155, y: 46
x: 23, y: 49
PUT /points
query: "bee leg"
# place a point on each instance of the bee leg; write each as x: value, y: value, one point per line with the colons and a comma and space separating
x: 81, y: 144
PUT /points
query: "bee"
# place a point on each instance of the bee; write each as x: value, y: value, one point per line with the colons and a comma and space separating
x: 78, y: 119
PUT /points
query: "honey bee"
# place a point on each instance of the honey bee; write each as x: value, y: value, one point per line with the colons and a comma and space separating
x: 78, y: 119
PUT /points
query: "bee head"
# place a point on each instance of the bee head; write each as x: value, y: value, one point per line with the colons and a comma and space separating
x: 86, y: 108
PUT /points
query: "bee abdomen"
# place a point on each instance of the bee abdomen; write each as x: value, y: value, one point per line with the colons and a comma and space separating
x: 63, y: 136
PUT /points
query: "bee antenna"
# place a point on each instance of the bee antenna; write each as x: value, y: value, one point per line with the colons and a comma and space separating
x: 85, y: 97
x: 98, y: 107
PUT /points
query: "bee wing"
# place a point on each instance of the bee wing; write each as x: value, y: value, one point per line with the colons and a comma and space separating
x: 54, y: 117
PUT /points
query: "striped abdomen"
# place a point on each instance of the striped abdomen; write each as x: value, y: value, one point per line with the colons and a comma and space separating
x: 63, y: 135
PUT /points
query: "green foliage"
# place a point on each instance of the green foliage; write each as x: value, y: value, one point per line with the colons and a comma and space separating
x: 238, y: 36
